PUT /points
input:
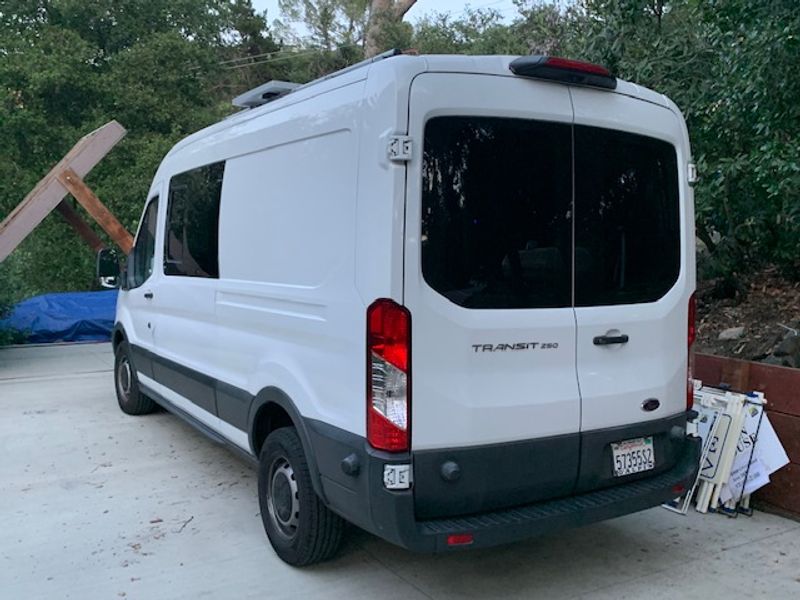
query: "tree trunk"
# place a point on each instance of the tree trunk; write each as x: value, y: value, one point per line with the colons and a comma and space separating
x: 381, y: 14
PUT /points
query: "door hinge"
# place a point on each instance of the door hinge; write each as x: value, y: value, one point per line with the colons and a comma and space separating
x: 399, y: 148
x: 691, y: 173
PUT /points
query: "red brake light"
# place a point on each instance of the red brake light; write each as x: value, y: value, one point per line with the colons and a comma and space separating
x: 388, y: 375
x: 564, y: 70
x: 576, y: 65
x: 460, y: 539
x: 691, y: 333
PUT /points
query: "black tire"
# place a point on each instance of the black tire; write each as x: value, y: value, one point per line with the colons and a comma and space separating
x: 301, y: 529
x: 130, y: 398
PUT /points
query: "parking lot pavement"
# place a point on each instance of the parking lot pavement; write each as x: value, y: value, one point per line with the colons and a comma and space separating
x: 96, y: 504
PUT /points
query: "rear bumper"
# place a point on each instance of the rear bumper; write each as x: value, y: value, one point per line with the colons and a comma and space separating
x: 361, y: 498
x: 515, y: 524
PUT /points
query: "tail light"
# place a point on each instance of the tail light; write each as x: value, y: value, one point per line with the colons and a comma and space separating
x: 691, y: 334
x: 460, y: 539
x: 388, y: 376
x: 564, y: 70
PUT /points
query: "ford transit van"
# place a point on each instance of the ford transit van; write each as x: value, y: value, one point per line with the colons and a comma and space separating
x: 448, y: 299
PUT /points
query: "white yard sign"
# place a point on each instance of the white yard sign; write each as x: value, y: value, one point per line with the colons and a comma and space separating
x: 739, y: 443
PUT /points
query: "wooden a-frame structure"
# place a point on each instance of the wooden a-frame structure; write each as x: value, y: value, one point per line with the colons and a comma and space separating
x: 67, y: 178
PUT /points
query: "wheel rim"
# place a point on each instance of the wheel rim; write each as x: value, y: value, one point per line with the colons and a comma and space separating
x: 283, y: 499
x: 124, y: 378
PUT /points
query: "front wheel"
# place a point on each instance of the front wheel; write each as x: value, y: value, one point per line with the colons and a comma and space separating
x: 301, y: 529
x: 130, y: 398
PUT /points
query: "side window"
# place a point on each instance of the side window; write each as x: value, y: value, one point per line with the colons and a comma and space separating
x: 145, y: 247
x: 192, y: 227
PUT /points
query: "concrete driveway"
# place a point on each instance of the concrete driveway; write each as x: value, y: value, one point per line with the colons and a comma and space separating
x: 96, y: 504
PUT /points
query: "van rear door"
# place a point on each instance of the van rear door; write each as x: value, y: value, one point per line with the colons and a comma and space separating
x: 633, y: 247
x: 488, y: 282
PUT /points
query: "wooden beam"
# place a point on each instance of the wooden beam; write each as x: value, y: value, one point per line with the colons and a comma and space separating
x: 784, y: 489
x: 736, y: 375
x: 82, y: 228
x: 49, y: 191
x: 83, y: 194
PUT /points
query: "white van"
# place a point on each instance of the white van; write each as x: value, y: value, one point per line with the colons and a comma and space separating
x: 448, y: 299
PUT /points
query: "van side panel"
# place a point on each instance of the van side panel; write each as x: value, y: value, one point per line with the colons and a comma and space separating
x: 285, y: 303
x: 285, y: 227
x: 284, y: 312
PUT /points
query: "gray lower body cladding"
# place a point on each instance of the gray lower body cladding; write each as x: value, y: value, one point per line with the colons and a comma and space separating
x: 400, y: 516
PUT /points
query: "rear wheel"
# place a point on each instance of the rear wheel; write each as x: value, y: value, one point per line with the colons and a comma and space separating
x: 301, y: 529
x: 130, y: 398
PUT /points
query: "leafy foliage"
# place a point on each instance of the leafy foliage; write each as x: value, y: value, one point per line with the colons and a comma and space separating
x: 165, y: 68
x: 725, y: 62
x: 330, y: 23
x: 160, y: 67
x: 7, y: 336
x: 477, y: 31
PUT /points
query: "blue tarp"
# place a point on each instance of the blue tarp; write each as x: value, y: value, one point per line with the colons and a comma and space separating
x: 67, y: 317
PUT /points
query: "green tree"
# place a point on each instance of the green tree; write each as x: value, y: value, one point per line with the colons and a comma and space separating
x: 331, y: 24
x: 160, y: 67
x: 476, y: 31
x: 371, y: 26
x: 726, y: 64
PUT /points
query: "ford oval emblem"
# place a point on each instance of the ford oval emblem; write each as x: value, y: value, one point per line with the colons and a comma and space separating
x: 650, y: 404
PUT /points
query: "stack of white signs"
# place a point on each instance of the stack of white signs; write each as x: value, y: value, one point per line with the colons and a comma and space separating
x: 739, y: 444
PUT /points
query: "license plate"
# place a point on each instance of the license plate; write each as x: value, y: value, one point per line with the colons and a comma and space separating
x: 633, y: 456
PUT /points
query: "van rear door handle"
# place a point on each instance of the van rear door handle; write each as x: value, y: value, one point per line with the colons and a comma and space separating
x: 606, y: 340
x: 149, y: 296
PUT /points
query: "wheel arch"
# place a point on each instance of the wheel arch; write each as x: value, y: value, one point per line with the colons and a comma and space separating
x: 118, y: 336
x: 272, y: 409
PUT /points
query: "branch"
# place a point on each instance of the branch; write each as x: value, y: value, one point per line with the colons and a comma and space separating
x: 401, y: 7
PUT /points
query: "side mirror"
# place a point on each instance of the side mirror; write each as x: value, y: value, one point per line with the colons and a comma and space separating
x: 109, y: 270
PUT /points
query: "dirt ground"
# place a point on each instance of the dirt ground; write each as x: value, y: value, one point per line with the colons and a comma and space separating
x: 761, y: 303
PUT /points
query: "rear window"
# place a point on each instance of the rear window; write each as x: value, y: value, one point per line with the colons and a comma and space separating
x: 496, y: 223
x: 497, y: 218
x: 627, y: 217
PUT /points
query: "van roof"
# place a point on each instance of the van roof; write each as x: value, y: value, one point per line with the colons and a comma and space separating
x: 444, y: 63
x: 499, y: 65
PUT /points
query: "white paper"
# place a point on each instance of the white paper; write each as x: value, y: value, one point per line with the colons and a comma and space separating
x: 745, y: 460
x: 769, y: 449
x: 767, y: 457
x: 757, y: 478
